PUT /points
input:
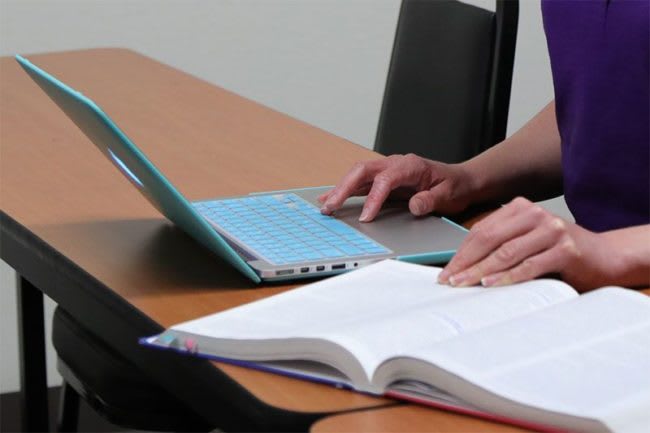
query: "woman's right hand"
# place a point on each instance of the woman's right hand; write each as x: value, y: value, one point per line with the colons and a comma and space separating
x: 429, y: 185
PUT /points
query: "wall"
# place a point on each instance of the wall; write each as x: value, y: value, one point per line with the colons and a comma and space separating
x: 322, y: 61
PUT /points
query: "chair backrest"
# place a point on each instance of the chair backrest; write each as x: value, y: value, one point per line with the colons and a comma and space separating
x: 448, y: 87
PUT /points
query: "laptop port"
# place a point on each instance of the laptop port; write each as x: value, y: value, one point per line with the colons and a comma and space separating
x: 304, y: 270
x: 320, y: 268
x: 340, y: 266
x: 284, y: 272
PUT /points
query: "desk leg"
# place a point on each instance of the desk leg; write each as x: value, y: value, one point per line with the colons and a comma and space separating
x: 68, y: 409
x: 33, y: 373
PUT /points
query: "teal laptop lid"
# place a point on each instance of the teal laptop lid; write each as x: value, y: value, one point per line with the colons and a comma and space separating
x: 134, y: 165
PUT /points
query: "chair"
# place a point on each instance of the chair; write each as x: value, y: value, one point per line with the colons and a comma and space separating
x: 111, y: 385
x: 448, y: 87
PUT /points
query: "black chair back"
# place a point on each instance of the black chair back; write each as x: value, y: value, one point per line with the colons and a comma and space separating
x: 448, y: 87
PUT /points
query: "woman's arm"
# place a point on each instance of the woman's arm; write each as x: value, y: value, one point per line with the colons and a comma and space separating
x: 526, y: 164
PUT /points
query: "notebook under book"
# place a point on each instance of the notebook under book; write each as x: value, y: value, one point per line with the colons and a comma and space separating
x: 266, y: 236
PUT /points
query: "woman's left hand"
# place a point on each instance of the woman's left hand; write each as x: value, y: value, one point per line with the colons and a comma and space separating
x: 522, y: 241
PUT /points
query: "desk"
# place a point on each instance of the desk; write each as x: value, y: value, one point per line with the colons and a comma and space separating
x: 408, y: 418
x: 74, y: 229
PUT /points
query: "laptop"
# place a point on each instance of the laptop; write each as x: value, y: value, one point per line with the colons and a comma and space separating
x: 269, y: 236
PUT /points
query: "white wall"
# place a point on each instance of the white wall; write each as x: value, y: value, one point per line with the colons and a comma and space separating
x: 322, y: 61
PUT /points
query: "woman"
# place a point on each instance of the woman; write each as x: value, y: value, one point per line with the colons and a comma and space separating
x: 592, y: 143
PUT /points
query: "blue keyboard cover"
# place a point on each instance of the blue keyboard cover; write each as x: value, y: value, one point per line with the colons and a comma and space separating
x: 285, y: 228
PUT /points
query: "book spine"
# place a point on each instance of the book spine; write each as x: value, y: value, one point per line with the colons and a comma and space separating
x: 194, y: 350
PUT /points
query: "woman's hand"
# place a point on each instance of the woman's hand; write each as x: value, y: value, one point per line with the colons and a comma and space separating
x: 429, y: 185
x: 522, y: 241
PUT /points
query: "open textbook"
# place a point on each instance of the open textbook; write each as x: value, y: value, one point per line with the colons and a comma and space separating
x: 535, y: 354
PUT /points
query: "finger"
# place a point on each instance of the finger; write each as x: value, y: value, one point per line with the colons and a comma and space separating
x: 383, y: 184
x: 508, y: 255
x: 359, y: 192
x: 323, y: 197
x: 512, y: 220
x: 401, y: 193
x: 359, y: 175
x: 545, y: 262
x: 439, y: 198
x: 513, y: 207
x: 424, y: 202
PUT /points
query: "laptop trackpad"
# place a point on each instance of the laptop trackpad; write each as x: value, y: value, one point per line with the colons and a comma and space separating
x: 396, y: 228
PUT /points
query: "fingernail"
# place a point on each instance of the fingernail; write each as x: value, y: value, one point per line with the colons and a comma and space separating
x: 457, y: 280
x: 489, y: 281
x: 443, y: 277
x: 326, y: 208
x: 418, y: 206
x: 496, y: 280
x: 365, y: 215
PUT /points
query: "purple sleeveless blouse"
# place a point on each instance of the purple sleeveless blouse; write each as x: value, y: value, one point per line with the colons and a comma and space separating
x: 600, y: 52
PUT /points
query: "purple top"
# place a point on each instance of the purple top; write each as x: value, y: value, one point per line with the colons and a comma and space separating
x: 599, y: 52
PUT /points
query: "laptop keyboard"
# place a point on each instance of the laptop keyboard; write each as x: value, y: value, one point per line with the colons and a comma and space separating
x: 285, y: 228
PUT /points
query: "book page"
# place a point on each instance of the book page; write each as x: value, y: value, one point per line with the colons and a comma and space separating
x: 375, y: 312
x: 588, y: 357
x: 438, y: 312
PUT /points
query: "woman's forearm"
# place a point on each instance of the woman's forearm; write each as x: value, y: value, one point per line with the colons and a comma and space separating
x: 630, y: 256
x: 528, y: 163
